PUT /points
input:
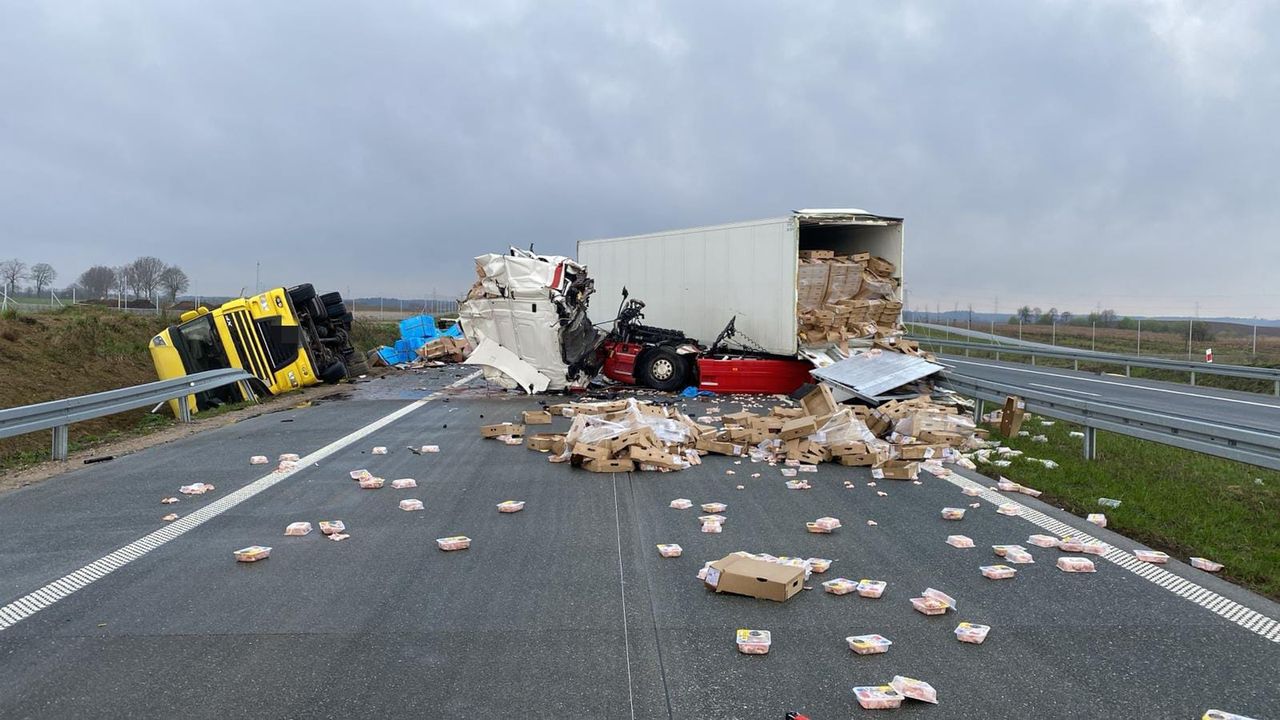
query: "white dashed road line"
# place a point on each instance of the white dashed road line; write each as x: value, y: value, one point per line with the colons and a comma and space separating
x: 34, y: 602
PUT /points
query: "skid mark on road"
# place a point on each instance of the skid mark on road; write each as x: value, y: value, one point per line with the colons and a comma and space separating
x: 34, y: 602
x: 1253, y: 621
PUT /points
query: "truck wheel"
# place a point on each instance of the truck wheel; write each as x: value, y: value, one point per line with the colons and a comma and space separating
x: 335, y: 311
x: 663, y: 369
x: 335, y: 372
x: 356, y: 365
x: 302, y: 294
x: 332, y: 298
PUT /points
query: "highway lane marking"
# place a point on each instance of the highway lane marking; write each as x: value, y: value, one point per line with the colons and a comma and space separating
x: 1062, y: 389
x: 1251, y: 620
x: 622, y: 590
x: 1127, y: 385
x: 35, y: 601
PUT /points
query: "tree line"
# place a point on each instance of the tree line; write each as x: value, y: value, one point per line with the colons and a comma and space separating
x: 1027, y: 315
x: 145, y: 277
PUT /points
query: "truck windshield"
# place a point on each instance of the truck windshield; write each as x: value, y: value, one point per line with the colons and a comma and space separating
x: 198, y: 346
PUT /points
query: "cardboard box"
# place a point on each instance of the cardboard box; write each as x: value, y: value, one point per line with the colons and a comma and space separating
x: 642, y: 436
x: 536, y: 417
x: 818, y: 402
x: 721, y: 448
x: 879, y: 266
x: 898, y: 470
x: 656, y: 457
x: 878, y: 423
x: 609, y: 466
x: 817, y: 254
x: 739, y: 418
x: 859, y: 459
x: 787, y: 413
x: 544, y: 441
x: 919, y: 452
x: 592, y: 451
x: 491, y: 431
x: 798, y: 428
x: 1011, y: 419
x: 754, y: 578
x: 854, y: 447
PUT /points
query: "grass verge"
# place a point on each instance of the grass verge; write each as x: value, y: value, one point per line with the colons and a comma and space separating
x: 1181, y: 502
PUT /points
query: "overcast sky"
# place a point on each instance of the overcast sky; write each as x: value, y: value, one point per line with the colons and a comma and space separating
x: 1066, y: 153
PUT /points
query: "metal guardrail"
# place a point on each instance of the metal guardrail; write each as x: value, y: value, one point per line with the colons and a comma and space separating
x: 59, y: 414
x: 1234, y: 443
x: 1128, y: 361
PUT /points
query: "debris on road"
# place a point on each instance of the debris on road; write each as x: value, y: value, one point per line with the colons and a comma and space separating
x: 742, y: 573
x: 404, y: 484
x: 682, y: 503
x: 839, y: 586
x: 169, y: 501
x: 950, y: 513
x: 338, y: 537
x: 972, y: 632
x: 298, y: 529
x: 253, y: 553
x: 501, y: 429
x: 1098, y: 519
x: 456, y: 542
x: 378, y: 450
x: 998, y: 572
x: 510, y: 506
x: 914, y: 689
x: 429, y: 449
x: 960, y: 541
x: 1151, y: 556
x: 877, y: 697
x: 329, y: 527
x: 410, y: 504
x: 670, y: 551
x: 258, y: 460
x: 818, y: 565
x: 288, y: 457
x: 871, y: 588
x: 196, y: 489
x: 1222, y: 715
x: 371, y: 483
x: 535, y: 417
x: 1205, y: 564
x: 1109, y: 502
x: 1044, y: 541
x: 753, y: 642
x: 170, y: 517
x: 933, y: 602
x: 422, y: 344
x: 1018, y: 556
x: 1075, y: 564
x: 868, y: 644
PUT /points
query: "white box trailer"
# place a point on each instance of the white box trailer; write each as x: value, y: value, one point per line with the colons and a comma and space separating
x: 696, y: 279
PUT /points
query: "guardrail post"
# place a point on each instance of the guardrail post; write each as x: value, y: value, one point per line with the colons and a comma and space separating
x: 1090, y: 443
x: 1033, y: 359
x: 978, y: 407
x: 1278, y: 387
x: 1126, y: 372
x: 1075, y: 365
x: 60, y: 442
x: 998, y: 360
x: 184, y: 410
x: 1193, y: 377
x: 247, y: 390
x: 966, y: 352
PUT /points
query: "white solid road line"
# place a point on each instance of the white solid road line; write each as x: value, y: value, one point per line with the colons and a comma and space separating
x: 1251, y: 620
x: 1273, y: 406
x: 35, y: 601
x: 1062, y: 389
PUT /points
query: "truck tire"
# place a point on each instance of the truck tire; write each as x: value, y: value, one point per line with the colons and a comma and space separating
x: 356, y: 365
x: 335, y: 311
x: 332, y: 298
x: 334, y: 372
x: 663, y: 369
x: 301, y: 294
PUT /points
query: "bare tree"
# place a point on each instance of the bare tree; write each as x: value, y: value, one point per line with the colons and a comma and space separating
x: 97, y: 281
x: 1024, y: 313
x: 122, y: 280
x: 174, y: 281
x: 12, y: 271
x: 1108, y: 317
x: 43, y: 275
x: 1066, y: 317
x: 144, y: 275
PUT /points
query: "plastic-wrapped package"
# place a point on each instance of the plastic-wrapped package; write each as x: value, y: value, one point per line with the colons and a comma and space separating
x: 169, y: 501
x: 258, y: 460
x: 1098, y: 519
x: 871, y: 588
x: 360, y: 474
x: 1151, y: 556
x: 932, y: 602
x: 972, y: 632
x: 410, y: 504
x: 877, y: 697
x: 788, y: 472
x: 682, y: 503
x: 457, y: 542
x: 510, y: 506
x: 1205, y: 564
x: 950, y: 513
x: 329, y: 527
x: 1093, y: 548
x: 753, y: 642
x: 371, y: 483
x: 798, y: 485
x: 1005, y: 485
x: 1009, y: 509
x: 1044, y: 541
x: 714, y: 507
x: 959, y: 541
x: 1002, y: 550
x: 195, y: 488
x: 288, y: 457
x: 914, y: 689
x: 840, y: 586
x: 868, y: 644
x: 1222, y: 715
x: 827, y: 523
x: 997, y: 572
x: 712, y: 527
x: 818, y: 565
x: 971, y: 491
x: 1070, y: 544
x: 712, y: 518
x: 1018, y: 556
x: 670, y: 551
x: 298, y: 529
x: 429, y: 449
x: 1076, y: 564
x: 379, y: 450
x: 404, y: 483
x: 253, y: 553
x: 170, y: 517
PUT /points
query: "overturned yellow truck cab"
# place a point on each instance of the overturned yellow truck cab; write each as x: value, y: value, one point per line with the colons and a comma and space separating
x: 285, y: 338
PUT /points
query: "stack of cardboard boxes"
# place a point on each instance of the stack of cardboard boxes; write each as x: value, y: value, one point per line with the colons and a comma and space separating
x: 841, y: 298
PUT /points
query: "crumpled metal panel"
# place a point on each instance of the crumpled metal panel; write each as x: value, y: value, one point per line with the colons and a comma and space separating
x: 872, y: 374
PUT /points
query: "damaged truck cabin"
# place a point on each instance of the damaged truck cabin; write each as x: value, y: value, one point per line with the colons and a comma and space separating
x: 791, y: 292
x: 526, y: 318
x: 285, y: 338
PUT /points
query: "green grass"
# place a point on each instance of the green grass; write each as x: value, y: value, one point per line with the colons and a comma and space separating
x: 1181, y: 502
x: 368, y: 334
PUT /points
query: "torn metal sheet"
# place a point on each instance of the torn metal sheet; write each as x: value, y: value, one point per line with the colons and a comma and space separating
x: 873, y: 374
x: 501, y: 364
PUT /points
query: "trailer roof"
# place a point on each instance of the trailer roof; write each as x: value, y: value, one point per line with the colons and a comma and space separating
x: 842, y: 216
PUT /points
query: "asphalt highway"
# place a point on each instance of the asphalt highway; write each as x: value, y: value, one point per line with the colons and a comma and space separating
x: 1247, y: 410
x: 564, y: 610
